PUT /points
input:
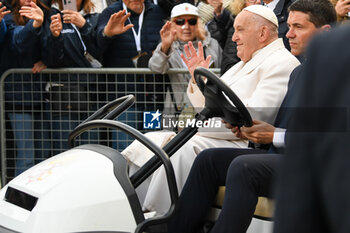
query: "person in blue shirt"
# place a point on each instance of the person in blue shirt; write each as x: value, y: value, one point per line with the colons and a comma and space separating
x: 69, y: 35
x: 69, y: 41
x: 122, y: 43
x: 120, y: 46
x: 23, y: 93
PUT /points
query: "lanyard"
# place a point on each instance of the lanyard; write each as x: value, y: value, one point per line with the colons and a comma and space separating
x: 81, y: 40
x: 138, y: 35
x: 93, y: 61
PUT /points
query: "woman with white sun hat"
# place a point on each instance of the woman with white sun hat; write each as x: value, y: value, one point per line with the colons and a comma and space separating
x: 184, y: 26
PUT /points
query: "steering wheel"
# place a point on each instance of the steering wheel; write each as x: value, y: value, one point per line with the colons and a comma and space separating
x: 220, y: 100
x: 112, y: 109
x: 109, y: 111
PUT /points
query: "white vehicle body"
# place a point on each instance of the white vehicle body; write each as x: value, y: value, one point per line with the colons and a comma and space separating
x: 75, y: 191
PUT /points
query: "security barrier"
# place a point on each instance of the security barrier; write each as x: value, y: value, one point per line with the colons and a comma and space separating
x: 38, y: 111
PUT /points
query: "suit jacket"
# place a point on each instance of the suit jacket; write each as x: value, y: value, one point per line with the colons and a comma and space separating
x: 313, y: 189
x: 285, y: 111
x: 260, y: 83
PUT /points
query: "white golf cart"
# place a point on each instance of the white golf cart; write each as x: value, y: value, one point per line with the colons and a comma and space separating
x: 87, y: 188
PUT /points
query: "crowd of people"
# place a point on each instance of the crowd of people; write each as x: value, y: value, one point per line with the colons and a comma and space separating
x: 259, y: 46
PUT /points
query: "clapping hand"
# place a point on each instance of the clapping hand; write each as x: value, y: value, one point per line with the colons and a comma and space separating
x: 3, y: 11
x: 74, y: 17
x: 115, y: 25
x: 33, y: 12
x: 194, y: 60
x: 167, y: 36
x: 56, y: 25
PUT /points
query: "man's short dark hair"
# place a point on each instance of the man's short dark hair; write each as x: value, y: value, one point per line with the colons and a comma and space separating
x: 321, y: 12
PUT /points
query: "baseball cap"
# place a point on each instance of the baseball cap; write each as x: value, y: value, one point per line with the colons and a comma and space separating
x: 184, y: 9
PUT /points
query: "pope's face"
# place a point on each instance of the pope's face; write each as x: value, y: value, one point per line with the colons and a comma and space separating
x: 246, y: 35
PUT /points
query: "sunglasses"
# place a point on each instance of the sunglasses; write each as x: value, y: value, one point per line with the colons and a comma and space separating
x: 180, y: 22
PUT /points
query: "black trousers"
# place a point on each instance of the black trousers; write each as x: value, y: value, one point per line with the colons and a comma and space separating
x: 247, y: 174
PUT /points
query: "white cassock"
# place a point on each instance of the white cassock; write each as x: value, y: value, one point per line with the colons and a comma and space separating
x: 261, y: 84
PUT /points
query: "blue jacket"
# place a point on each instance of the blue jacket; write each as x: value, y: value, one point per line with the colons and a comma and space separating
x: 24, y: 42
x: 67, y: 49
x: 119, y: 50
x: 3, y: 30
x: 21, y: 50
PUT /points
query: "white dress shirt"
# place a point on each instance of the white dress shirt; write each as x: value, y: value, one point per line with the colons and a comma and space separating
x: 278, y: 137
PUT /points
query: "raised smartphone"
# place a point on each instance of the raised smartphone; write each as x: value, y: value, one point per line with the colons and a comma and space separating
x: 69, y: 5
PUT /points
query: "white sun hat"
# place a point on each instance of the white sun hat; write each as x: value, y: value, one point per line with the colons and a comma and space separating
x: 264, y: 12
x: 184, y: 9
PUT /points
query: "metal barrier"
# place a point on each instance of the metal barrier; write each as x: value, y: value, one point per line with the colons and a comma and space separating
x: 38, y: 111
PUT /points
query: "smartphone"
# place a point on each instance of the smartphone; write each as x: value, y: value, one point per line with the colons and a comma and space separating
x: 69, y: 5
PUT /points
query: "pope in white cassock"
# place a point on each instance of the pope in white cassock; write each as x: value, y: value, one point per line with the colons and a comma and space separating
x: 260, y: 80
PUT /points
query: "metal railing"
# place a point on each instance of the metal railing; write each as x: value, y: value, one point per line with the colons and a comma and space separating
x: 38, y: 111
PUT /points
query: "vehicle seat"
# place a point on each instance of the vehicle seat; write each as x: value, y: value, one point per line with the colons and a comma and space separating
x: 264, y: 208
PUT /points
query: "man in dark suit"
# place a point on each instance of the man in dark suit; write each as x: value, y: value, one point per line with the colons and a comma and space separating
x: 313, y: 187
x: 248, y: 173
